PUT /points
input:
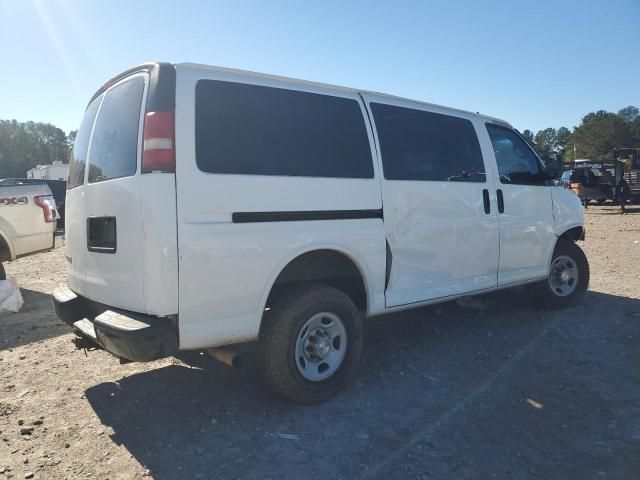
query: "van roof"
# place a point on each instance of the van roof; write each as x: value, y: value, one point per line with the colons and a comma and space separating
x: 333, y: 87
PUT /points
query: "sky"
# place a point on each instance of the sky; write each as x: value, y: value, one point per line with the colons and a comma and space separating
x: 536, y: 64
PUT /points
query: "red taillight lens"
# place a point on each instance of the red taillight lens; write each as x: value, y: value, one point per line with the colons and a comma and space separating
x: 158, y: 151
x: 48, y: 206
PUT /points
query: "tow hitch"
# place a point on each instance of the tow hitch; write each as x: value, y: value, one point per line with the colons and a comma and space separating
x: 85, y: 344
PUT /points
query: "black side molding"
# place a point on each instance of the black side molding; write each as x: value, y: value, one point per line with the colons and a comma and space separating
x: 389, y: 264
x: 299, y: 216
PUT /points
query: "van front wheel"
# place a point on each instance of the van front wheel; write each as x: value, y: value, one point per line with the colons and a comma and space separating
x: 3, y: 275
x: 568, y: 277
x: 310, y: 344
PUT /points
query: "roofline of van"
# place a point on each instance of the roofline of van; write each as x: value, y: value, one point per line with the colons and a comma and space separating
x: 161, y: 94
x: 164, y: 94
x: 336, y: 87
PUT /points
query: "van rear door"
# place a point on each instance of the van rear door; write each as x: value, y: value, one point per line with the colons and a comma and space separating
x: 113, y: 225
x: 121, y: 211
x: 75, y: 238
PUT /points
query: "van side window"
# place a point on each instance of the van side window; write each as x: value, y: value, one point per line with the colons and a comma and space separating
x: 81, y: 145
x: 257, y: 130
x: 517, y: 164
x: 114, y: 144
x: 419, y: 145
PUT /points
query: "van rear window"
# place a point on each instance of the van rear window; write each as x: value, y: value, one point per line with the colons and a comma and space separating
x: 256, y: 130
x: 81, y: 145
x: 114, y: 144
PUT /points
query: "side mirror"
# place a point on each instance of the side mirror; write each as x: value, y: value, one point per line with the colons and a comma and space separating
x: 554, y: 166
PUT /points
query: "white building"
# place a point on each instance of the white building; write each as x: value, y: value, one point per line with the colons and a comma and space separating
x: 56, y: 171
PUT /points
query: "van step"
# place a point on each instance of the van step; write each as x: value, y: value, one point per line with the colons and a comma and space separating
x: 85, y: 328
x: 118, y: 321
x: 64, y: 294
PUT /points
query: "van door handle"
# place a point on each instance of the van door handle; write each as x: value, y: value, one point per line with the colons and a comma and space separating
x: 485, y: 198
x: 500, y: 201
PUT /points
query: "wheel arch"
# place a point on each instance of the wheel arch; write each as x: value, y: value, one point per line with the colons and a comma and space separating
x: 333, y: 263
x: 574, y: 233
x: 7, y: 252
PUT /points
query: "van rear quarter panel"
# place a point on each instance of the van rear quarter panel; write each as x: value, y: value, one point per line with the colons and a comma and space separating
x: 226, y: 269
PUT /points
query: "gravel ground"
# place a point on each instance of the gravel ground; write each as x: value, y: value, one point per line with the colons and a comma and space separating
x: 494, y: 388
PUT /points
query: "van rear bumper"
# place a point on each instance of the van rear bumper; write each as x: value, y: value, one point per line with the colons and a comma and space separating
x: 129, y: 335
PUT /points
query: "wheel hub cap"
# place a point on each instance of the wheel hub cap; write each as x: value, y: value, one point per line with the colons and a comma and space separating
x: 563, y: 276
x: 321, y: 346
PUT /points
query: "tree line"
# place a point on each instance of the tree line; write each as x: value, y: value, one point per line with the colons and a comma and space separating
x: 596, y: 136
x: 25, y: 145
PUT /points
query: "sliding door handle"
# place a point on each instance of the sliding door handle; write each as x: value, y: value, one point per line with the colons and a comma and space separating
x: 500, y: 201
x: 485, y: 199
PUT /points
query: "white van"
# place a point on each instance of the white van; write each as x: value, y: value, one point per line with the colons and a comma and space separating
x: 208, y: 206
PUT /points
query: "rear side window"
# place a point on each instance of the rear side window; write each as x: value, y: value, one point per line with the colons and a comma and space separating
x: 114, y: 144
x: 256, y: 130
x: 81, y: 145
x: 419, y: 145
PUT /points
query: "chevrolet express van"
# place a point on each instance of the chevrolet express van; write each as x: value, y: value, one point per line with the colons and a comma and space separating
x: 208, y: 207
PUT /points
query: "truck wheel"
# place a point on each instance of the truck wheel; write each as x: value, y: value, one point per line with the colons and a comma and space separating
x: 3, y: 275
x: 568, y: 278
x: 310, y: 344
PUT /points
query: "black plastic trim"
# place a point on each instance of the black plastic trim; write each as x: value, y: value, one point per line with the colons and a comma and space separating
x: 91, y: 246
x: 500, y: 201
x: 485, y: 199
x: 161, y: 95
x: 299, y: 216
x: 130, y: 335
x: 389, y: 264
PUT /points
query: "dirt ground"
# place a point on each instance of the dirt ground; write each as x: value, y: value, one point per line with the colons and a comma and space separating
x: 489, y: 389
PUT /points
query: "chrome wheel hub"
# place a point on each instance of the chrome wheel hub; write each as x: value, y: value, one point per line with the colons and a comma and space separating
x: 321, y: 346
x: 563, y: 276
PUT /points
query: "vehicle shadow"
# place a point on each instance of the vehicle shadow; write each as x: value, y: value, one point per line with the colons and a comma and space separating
x: 201, y: 419
x: 35, y: 321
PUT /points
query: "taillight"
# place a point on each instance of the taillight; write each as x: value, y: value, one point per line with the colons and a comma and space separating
x: 158, y: 151
x: 48, y: 206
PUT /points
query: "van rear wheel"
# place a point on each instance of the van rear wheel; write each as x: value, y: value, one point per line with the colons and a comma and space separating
x: 568, y: 277
x: 310, y: 344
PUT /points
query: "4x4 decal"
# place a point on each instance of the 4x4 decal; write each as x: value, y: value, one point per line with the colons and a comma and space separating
x: 14, y: 201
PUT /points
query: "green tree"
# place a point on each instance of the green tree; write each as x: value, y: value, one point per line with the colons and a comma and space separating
x: 600, y: 132
x: 545, y: 142
x: 528, y: 136
x: 563, y: 136
x: 25, y: 145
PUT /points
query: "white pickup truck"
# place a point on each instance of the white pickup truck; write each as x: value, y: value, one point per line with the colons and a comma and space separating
x: 28, y: 217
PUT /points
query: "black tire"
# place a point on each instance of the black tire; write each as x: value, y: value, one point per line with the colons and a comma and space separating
x: 546, y: 293
x: 3, y: 275
x: 601, y: 200
x: 276, y: 356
